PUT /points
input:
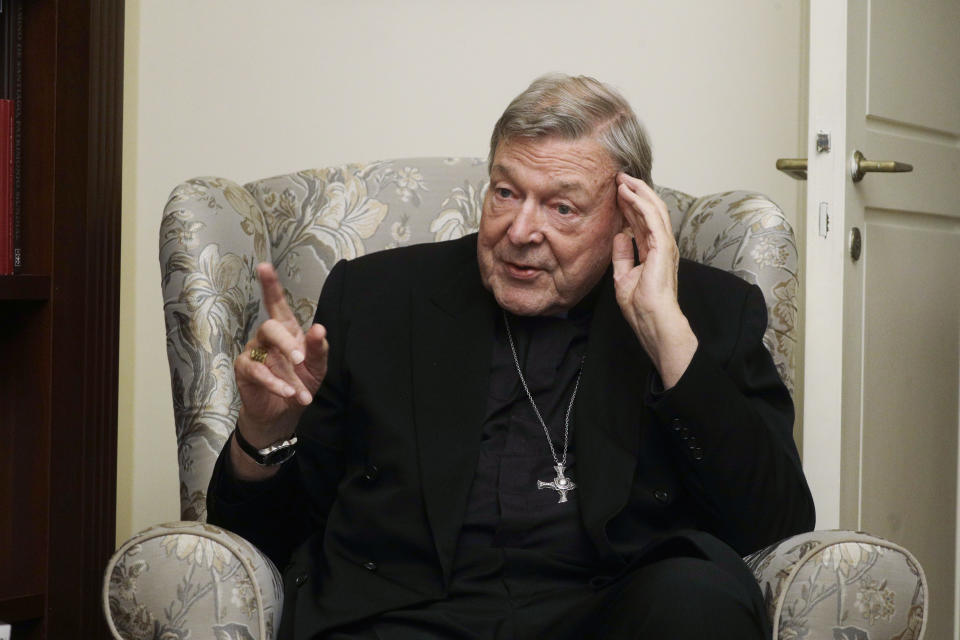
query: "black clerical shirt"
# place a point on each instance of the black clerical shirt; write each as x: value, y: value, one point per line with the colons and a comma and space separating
x: 506, y: 509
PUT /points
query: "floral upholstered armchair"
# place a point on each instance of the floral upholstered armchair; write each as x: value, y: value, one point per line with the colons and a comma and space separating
x: 191, y: 579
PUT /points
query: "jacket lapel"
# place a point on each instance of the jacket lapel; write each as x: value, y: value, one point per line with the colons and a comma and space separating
x: 608, y: 414
x: 452, y: 332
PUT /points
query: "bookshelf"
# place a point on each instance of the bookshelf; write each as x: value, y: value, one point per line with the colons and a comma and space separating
x: 59, y: 323
x: 25, y: 287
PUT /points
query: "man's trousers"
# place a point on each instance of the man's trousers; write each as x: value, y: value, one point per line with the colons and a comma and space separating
x: 674, y: 592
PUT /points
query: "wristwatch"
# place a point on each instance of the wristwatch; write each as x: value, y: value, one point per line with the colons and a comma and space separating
x: 274, y: 454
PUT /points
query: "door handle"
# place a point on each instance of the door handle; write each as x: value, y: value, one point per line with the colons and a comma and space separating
x: 860, y: 166
x: 796, y: 168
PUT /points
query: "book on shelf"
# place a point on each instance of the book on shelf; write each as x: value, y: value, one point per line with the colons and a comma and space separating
x: 6, y: 187
x: 11, y: 87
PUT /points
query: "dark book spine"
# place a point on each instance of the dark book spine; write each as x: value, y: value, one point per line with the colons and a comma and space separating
x: 6, y: 187
x: 17, y: 18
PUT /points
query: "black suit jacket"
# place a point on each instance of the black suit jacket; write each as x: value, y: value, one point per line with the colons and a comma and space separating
x: 372, y: 505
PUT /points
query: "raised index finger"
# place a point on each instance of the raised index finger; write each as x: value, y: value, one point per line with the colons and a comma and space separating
x: 273, y: 298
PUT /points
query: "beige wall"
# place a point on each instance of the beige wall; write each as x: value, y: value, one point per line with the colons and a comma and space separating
x: 247, y: 89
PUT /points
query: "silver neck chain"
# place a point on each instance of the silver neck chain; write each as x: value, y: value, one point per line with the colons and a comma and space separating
x: 566, y: 422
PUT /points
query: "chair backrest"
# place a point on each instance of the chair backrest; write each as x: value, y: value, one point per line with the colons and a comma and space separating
x: 214, y: 232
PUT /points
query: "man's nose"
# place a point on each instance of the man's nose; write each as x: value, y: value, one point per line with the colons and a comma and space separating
x: 527, y: 226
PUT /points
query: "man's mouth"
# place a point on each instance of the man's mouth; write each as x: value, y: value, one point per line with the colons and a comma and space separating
x: 522, y: 271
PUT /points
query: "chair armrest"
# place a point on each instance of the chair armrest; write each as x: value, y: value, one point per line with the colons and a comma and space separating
x: 183, y: 577
x: 841, y: 584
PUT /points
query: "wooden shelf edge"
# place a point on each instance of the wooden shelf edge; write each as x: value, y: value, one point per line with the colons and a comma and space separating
x: 25, y: 287
x: 22, y: 608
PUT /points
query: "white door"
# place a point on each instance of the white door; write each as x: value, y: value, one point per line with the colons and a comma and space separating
x: 882, y: 350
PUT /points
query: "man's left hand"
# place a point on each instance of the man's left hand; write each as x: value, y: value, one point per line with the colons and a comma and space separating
x: 647, y: 292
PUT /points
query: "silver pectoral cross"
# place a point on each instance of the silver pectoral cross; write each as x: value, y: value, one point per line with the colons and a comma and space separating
x: 561, y: 484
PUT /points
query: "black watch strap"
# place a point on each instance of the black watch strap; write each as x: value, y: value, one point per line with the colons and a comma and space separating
x: 276, y: 453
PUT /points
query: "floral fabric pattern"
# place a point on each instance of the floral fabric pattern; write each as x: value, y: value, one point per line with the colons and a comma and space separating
x: 191, y: 580
x: 747, y: 234
x: 841, y: 584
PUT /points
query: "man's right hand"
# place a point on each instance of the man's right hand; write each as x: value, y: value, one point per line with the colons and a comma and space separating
x: 275, y: 392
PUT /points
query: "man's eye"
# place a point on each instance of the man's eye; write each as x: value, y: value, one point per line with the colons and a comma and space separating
x: 504, y: 193
x: 564, y: 209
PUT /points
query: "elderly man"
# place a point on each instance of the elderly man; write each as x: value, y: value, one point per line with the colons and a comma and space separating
x: 555, y: 428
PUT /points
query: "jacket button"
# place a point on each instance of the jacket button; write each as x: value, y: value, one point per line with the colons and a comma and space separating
x: 599, y: 582
x: 676, y: 424
x: 370, y: 565
x: 370, y: 472
x: 697, y: 453
x: 661, y: 495
x: 301, y: 579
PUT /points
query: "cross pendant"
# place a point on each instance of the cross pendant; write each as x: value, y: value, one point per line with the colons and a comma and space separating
x: 560, y: 484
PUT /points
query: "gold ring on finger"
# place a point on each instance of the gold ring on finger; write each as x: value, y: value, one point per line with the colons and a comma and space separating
x: 258, y: 355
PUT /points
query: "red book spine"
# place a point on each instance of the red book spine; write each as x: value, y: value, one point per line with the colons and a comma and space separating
x: 6, y: 187
x: 17, y: 109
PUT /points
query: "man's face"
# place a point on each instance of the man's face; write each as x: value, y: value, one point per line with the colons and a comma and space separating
x: 549, y: 218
